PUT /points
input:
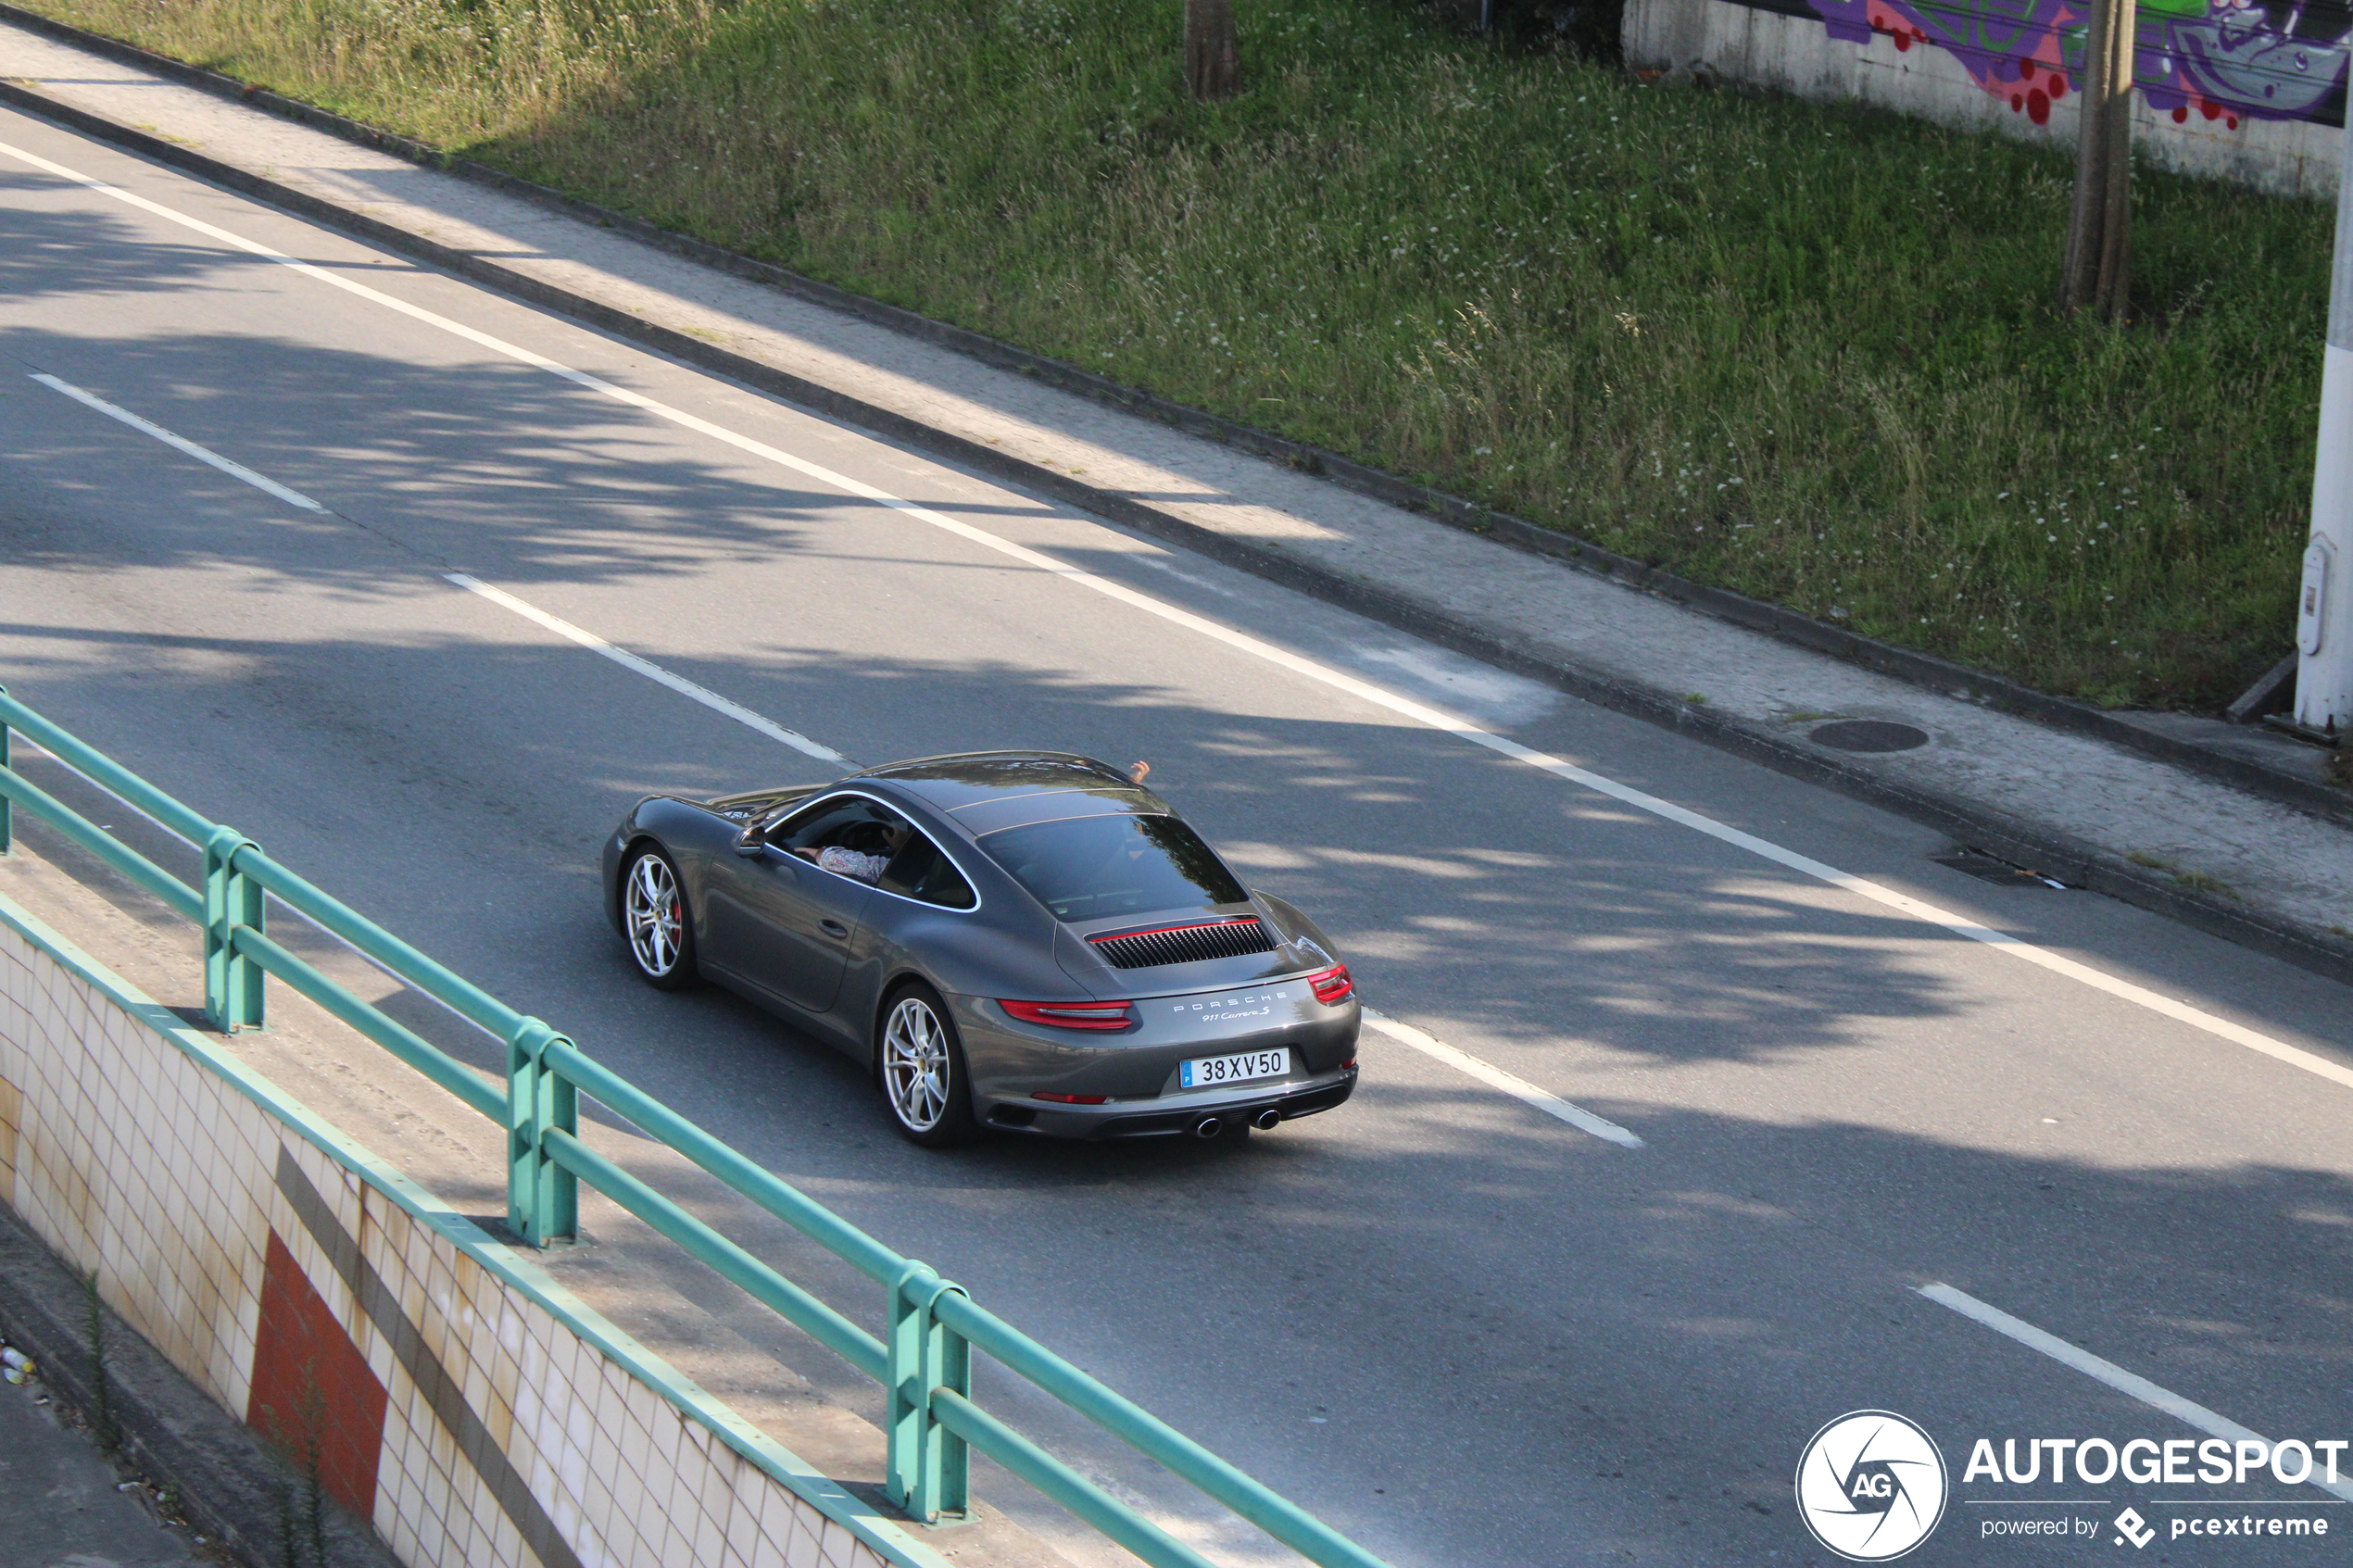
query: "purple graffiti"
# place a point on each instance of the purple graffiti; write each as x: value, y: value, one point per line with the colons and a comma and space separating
x: 2225, y: 60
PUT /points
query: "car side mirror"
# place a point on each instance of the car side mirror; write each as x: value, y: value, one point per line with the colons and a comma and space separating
x: 748, y: 844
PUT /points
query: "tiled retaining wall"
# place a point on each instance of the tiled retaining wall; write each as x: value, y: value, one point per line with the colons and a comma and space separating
x: 1772, y: 48
x: 452, y: 1393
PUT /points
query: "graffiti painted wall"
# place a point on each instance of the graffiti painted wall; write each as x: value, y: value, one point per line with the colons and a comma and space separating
x: 2237, y: 89
x: 2226, y: 60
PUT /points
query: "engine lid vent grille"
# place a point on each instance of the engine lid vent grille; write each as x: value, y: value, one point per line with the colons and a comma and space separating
x: 1184, y: 944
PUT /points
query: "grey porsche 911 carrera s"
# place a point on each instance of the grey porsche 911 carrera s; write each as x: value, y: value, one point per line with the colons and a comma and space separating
x: 1022, y: 940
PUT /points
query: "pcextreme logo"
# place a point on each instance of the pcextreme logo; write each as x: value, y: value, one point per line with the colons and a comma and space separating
x: 1871, y: 1486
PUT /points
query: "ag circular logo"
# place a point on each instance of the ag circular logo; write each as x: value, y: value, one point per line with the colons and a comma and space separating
x: 1871, y: 1486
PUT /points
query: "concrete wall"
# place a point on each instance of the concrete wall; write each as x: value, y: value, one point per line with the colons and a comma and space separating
x: 1893, y: 62
x: 472, y: 1409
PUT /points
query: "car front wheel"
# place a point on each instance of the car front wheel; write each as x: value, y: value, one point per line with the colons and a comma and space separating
x: 923, y: 1070
x: 653, y: 911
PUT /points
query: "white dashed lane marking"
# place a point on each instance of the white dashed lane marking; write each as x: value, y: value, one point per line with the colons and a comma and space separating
x: 181, y: 443
x: 1495, y: 1078
x: 652, y: 672
x: 2329, y: 1474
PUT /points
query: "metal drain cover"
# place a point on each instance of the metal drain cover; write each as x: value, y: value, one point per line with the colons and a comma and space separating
x: 1869, y: 735
x: 1985, y: 868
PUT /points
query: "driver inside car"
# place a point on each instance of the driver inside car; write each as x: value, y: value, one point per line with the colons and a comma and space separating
x: 864, y: 850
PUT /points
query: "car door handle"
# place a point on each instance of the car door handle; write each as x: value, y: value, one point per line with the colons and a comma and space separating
x: 833, y: 928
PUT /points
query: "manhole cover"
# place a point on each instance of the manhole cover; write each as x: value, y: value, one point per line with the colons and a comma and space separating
x: 1869, y: 735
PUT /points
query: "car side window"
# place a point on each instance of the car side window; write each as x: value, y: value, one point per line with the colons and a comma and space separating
x: 824, y: 824
x: 919, y: 870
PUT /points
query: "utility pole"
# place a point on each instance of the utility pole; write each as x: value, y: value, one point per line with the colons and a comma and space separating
x: 2099, y: 230
x: 2324, y: 599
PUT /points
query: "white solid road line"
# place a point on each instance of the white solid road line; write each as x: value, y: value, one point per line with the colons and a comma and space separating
x: 653, y: 672
x: 201, y: 454
x: 1519, y: 1089
x: 2127, y: 1383
x: 1421, y: 714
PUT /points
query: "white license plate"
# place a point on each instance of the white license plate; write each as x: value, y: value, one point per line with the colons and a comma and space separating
x: 1210, y: 1071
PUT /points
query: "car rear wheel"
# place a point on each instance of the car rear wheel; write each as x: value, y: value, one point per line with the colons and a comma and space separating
x: 653, y: 911
x: 923, y: 1070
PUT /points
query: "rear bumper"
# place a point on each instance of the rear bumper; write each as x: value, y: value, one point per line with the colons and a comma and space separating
x: 1135, y: 1070
x: 1173, y: 1115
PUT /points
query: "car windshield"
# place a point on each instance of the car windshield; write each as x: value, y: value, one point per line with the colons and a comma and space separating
x: 1089, y: 867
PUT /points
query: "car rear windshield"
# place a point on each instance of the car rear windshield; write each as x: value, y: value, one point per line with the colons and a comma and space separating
x: 1089, y: 868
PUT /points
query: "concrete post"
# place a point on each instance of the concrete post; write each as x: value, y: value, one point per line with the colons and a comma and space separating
x: 2324, y: 597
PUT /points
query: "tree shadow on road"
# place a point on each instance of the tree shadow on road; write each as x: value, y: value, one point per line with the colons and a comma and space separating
x: 83, y: 253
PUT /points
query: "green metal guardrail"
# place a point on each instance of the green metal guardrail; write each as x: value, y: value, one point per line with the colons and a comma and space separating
x: 925, y: 1360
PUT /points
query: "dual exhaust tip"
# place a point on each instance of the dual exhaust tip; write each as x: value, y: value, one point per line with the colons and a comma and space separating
x: 1265, y: 1121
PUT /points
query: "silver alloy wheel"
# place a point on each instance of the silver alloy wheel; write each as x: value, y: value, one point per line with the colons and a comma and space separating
x: 656, y: 916
x: 915, y: 1068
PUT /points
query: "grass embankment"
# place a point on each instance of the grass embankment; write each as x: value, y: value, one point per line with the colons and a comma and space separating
x: 1803, y: 351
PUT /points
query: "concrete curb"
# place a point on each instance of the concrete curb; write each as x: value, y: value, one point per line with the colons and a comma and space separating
x: 2063, y: 856
x: 1920, y: 669
x: 225, y: 1481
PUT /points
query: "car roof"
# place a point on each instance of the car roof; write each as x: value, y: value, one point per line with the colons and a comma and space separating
x: 970, y: 778
x: 983, y: 792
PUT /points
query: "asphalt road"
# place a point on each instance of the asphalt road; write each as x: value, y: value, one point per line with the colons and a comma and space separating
x: 1460, y: 1329
x: 64, y: 1507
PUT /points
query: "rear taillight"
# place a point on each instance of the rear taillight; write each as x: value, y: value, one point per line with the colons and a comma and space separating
x: 1071, y: 1015
x: 1332, y: 987
x: 1070, y: 1099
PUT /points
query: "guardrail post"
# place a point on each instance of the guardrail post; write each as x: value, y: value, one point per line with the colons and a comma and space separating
x: 929, y: 1470
x: 543, y: 1199
x: 233, y: 983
